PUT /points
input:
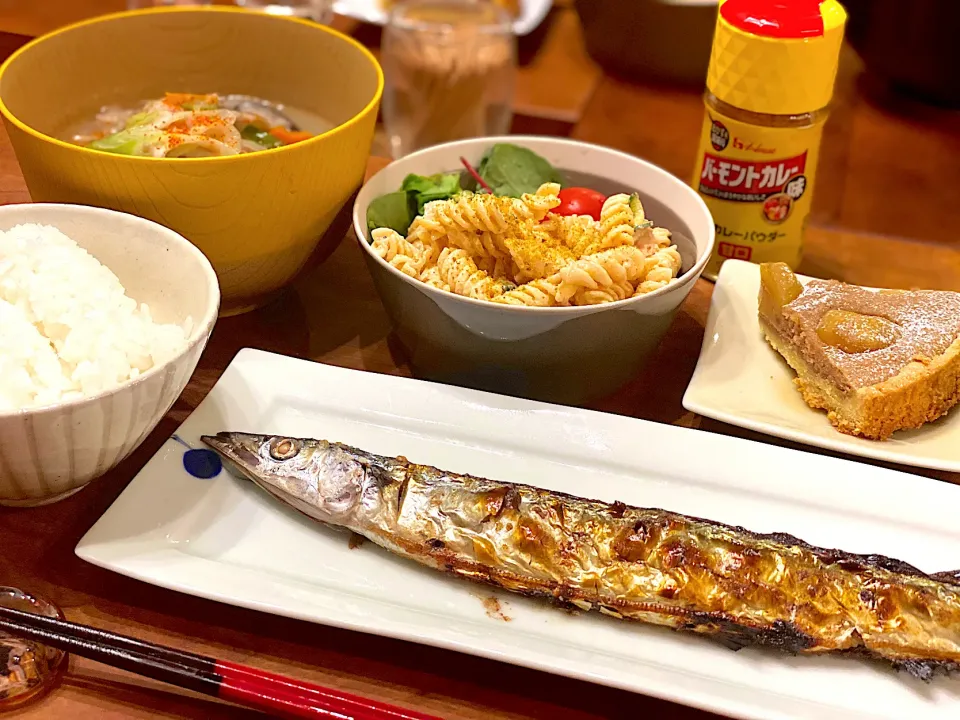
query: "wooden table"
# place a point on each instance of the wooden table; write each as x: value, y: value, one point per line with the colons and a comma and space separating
x: 36, y: 546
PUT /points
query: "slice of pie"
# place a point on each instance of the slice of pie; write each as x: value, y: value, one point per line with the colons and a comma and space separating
x: 877, y: 361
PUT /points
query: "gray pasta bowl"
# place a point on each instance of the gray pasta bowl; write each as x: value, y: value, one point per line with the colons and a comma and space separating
x: 558, y: 354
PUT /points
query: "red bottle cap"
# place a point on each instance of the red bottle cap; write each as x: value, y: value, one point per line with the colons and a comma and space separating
x: 786, y: 19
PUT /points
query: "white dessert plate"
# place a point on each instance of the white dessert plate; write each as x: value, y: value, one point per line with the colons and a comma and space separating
x: 226, y: 540
x: 741, y: 380
x: 532, y: 13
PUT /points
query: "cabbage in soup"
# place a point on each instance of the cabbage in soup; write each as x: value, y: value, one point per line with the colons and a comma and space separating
x: 190, y: 125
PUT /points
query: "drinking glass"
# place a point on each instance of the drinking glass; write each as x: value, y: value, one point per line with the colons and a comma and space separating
x: 449, y: 67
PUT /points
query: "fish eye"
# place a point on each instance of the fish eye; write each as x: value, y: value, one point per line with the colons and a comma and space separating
x: 284, y: 448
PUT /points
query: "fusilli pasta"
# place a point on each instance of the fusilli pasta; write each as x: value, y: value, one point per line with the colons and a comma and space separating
x: 458, y: 270
x: 609, y: 272
x: 536, y: 293
x: 497, y: 267
x: 661, y: 269
x: 479, y: 243
x: 611, y: 293
x: 577, y: 232
x: 535, y: 254
x: 432, y: 242
x: 650, y: 239
x: 537, y: 205
x: 490, y: 213
x: 431, y: 277
x: 514, y: 251
x: 399, y: 252
x: 616, y: 222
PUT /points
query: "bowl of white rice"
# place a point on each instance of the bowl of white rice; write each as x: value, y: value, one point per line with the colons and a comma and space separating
x: 103, y: 317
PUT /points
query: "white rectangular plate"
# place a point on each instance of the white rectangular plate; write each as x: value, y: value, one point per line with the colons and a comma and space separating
x: 532, y: 13
x: 741, y: 380
x: 226, y: 540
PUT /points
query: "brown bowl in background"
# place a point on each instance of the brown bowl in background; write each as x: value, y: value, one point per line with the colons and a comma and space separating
x: 664, y: 40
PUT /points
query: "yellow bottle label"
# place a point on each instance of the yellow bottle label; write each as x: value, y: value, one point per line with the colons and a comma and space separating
x: 758, y: 184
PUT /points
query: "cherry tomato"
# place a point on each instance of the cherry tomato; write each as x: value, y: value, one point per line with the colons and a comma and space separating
x: 580, y: 201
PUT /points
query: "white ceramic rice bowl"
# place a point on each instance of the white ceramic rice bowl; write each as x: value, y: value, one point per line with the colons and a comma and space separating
x: 48, y: 453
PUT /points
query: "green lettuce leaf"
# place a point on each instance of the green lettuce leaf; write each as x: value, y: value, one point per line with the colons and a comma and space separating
x: 394, y: 210
x: 442, y: 186
x: 512, y: 170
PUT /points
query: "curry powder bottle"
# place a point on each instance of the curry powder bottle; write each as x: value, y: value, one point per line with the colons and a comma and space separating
x: 770, y: 80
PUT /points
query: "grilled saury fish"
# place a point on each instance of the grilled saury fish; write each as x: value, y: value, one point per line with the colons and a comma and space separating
x: 627, y: 562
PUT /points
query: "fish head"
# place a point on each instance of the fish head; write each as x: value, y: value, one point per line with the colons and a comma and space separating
x: 318, y: 478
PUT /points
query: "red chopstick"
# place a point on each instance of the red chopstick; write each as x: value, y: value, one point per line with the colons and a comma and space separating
x: 228, y: 681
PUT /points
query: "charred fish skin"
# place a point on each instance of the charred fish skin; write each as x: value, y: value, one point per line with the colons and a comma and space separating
x: 655, y: 566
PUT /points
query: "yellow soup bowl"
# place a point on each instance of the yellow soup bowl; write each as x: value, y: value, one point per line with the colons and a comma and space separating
x: 259, y: 216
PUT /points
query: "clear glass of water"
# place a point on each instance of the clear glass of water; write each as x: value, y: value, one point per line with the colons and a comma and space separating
x: 449, y: 67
